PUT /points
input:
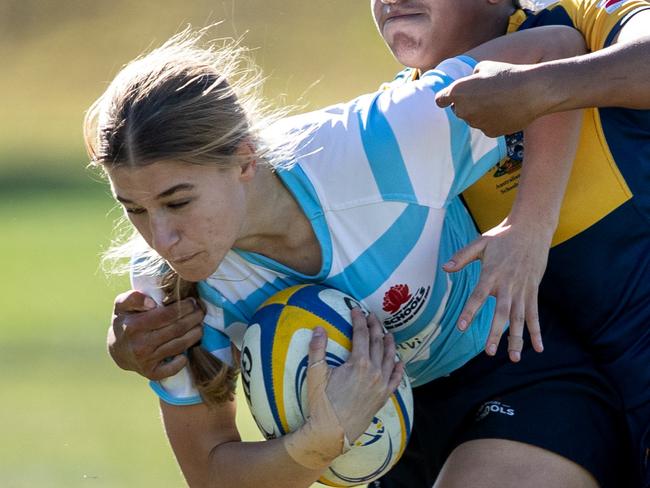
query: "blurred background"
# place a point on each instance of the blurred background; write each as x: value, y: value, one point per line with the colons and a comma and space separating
x: 68, y: 417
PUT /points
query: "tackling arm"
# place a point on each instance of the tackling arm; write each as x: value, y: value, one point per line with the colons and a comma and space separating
x: 617, y: 76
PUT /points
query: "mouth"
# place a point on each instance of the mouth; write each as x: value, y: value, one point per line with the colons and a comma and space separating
x: 399, y: 15
x: 185, y: 259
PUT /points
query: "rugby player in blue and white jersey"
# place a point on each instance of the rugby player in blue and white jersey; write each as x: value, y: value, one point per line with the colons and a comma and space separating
x: 356, y: 202
x: 598, y: 277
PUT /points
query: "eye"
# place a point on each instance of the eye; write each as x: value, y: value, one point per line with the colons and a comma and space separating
x: 176, y: 205
x: 134, y: 211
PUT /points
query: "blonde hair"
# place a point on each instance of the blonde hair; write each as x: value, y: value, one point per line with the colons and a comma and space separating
x: 188, y: 102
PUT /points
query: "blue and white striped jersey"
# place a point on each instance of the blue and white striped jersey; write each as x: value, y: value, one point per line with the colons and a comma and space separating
x: 379, y: 179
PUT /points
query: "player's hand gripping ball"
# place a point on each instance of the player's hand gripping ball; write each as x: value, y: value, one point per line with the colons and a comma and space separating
x: 274, y: 374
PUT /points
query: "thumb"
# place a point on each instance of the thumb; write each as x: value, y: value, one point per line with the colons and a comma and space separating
x: 471, y: 252
x: 481, y: 65
x: 133, y: 301
x: 317, y: 371
x: 443, y: 97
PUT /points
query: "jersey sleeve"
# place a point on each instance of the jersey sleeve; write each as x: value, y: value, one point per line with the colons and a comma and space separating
x: 180, y: 389
x: 417, y: 151
x: 599, y: 21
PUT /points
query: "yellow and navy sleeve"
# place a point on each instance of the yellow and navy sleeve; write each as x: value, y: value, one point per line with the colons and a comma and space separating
x: 599, y: 21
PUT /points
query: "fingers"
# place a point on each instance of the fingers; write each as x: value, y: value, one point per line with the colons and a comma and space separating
x: 376, y: 340
x: 501, y: 315
x: 466, y: 255
x: 178, y: 345
x: 396, y: 376
x: 443, y: 97
x: 177, y: 328
x: 133, y: 301
x: 390, y: 354
x: 317, y: 369
x: 144, y: 340
x: 160, y: 317
x: 165, y: 369
x: 532, y: 322
x: 360, y: 334
x: 475, y: 301
x: 516, y: 331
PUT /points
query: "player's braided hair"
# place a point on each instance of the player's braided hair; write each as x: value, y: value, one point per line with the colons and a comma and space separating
x: 187, y: 103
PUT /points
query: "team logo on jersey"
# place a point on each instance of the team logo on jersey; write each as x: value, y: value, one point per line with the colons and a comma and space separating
x: 611, y: 5
x: 395, y: 298
x: 494, y: 407
x: 403, y: 305
x: 515, y: 155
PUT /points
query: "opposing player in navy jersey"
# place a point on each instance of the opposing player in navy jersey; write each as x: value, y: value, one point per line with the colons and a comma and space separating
x: 187, y: 163
x: 598, y: 276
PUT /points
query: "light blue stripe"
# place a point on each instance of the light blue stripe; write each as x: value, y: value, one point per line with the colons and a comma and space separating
x: 468, y: 60
x: 213, y: 339
x: 466, y: 171
x: 371, y: 269
x: 209, y: 294
x: 383, y: 153
x: 452, y: 348
x: 167, y: 398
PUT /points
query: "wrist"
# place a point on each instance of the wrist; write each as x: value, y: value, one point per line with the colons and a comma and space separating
x: 546, y: 88
x: 539, y: 224
x: 315, y: 447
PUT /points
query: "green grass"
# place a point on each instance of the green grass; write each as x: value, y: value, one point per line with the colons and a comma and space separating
x: 68, y: 417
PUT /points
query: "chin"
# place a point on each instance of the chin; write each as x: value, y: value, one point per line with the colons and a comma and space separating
x: 193, y: 275
x: 412, y: 53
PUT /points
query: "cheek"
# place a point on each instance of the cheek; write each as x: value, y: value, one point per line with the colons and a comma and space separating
x: 140, y: 223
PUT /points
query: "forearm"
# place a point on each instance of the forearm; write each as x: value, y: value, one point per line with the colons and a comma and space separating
x: 209, y: 450
x: 532, y: 46
x: 207, y: 462
x: 550, y: 146
x: 618, y: 76
x: 255, y: 464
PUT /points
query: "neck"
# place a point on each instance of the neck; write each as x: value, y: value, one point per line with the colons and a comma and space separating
x: 273, y: 218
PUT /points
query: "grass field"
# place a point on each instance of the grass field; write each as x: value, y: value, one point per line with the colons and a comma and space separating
x: 69, y: 418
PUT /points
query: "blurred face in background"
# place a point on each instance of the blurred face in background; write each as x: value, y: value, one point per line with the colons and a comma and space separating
x: 421, y: 33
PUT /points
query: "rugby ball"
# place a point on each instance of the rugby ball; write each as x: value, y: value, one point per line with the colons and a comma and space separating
x: 274, y: 360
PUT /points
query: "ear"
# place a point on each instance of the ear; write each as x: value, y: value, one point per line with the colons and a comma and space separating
x: 248, y: 170
x: 246, y: 151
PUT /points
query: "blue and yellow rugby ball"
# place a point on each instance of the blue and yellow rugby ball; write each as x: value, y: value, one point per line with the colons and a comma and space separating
x: 274, y: 373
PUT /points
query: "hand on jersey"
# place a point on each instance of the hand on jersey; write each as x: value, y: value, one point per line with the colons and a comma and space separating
x: 513, y: 259
x: 150, y: 339
x: 497, y: 98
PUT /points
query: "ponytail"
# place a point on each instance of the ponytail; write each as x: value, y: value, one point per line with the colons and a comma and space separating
x: 214, y: 379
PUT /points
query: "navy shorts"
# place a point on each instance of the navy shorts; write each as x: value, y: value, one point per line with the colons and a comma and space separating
x: 556, y: 400
x: 621, y: 349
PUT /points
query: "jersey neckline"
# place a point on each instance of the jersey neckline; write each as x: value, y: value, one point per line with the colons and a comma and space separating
x: 296, y: 181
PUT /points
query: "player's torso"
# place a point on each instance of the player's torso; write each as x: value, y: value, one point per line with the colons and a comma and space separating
x: 601, y: 250
x: 388, y: 256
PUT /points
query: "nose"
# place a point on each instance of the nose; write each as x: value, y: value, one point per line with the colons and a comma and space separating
x: 164, y: 234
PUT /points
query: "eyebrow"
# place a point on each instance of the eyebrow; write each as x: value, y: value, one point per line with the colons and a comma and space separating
x: 168, y: 192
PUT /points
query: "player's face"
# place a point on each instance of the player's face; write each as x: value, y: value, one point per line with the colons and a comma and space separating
x: 190, y: 214
x: 421, y: 33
